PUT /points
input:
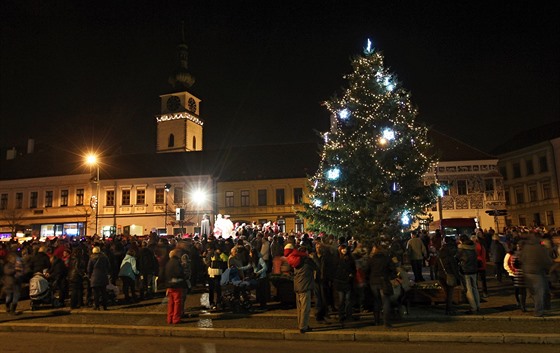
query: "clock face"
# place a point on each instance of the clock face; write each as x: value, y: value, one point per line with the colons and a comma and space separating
x: 192, y: 105
x: 173, y: 103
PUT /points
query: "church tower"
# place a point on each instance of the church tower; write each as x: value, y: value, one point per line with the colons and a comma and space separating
x: 179, y: 127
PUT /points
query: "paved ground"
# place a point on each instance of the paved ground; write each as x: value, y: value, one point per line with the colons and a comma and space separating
x: 500, y: 321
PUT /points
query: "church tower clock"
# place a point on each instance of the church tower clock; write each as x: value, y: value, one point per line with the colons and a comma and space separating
x: 179, y: 127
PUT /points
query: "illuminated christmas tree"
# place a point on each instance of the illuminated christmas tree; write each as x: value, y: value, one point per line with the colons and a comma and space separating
x: 369, y: 181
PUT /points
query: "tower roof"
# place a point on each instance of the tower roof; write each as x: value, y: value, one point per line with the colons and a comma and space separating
x: 181, y: 79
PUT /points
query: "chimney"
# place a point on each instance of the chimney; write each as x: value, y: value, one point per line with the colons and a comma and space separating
x: 30, y: 146
x: 11, y: 154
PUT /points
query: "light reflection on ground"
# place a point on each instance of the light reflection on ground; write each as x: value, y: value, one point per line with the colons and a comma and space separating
x: 205, y: 323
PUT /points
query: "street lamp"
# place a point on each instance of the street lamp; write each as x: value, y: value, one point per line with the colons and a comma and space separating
x: 167, y: 188
x: 92, y: 160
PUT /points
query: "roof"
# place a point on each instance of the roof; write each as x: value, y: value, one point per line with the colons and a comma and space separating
x: 275, y: 161
x: 252, y: 162
x: 530, y: 137
x: 450, y: 149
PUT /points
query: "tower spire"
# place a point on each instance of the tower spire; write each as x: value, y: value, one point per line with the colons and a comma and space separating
x: 182, y: 79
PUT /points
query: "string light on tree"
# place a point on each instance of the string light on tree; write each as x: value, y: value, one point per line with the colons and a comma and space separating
x: 379, y: 182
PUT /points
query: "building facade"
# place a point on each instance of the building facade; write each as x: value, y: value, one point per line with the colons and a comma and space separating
x: 531, y: 182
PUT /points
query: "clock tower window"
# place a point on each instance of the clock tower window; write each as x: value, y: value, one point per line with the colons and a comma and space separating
x: 171, y: 141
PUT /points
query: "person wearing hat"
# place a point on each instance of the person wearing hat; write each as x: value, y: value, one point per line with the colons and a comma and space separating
x: 98, y: 270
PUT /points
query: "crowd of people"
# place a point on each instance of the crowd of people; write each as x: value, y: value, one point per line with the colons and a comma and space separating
x: 341, y: 275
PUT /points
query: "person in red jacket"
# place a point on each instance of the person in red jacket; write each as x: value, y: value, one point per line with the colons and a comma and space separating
x: 481, y: 261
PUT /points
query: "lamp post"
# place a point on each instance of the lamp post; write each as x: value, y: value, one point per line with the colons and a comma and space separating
x: 92, y: 161
x: 167, y: 188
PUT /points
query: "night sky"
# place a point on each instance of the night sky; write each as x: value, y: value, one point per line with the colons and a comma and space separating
x: 83, y: 73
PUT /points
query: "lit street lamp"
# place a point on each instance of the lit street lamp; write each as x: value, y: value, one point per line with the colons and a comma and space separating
x: 91, y: 160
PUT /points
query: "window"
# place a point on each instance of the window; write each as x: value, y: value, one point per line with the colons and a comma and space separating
x: 516, y: 170
x: 529, y: 167
x: 522, y: 220
x: 171, y: 141
x: 503, y: 171
x: 178, y: 195
x: 461, y: 187
x: 19, y: 199
x: 140, y: 196
x: 79, y: 197
x: 543, y: 164
x: 549, y: 218
x: 244, y: 197
x: 537, y: 219
x: 299, y: 225
x: 3, y: 201
x: 194, y: 143
x: 229, y: 198
x: 546, y: 191
x: 63, y: 198
x: 48, y: 199
x: 33, y: 199
x: 280, y: 198
x: 489, y: 185
x: 519, y: 195
x: 506, y: 195
x: 160, y: 195
x: 110, y: 195
x: 125, y: 199
x: 532, y: 193
x: 298, y: 196
x: 262, y: 197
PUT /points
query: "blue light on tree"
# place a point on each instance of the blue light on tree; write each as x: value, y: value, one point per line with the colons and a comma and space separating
x: 317, y: 203
x: 333, y: 173
x: 344, y: 114
x: 388, y: 134
x: 405, y: 218
x: 368, y: 50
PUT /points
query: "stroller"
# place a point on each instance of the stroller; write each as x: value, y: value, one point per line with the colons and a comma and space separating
x: 40, y: 291
x: 236, y: 293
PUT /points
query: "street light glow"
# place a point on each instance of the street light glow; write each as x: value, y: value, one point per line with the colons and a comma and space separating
x: 91, y: 159
x: 199, y: 196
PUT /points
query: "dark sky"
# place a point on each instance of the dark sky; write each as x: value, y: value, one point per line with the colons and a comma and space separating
x: 91, y: 72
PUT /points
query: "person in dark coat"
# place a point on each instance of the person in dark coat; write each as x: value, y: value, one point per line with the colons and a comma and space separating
x: 467, y: 258
x: 381, y: 270
x: 325, y: 262
x: 11, y: 281
x: 76, y: 273
x: 343, y: 281
x: 98, y: 270
x: 40, y: 262
x: 447, y: 265
x: 497, y: 254
x: 148, y: 267
x: 57, y: 274
x: 176, y: 283
x: 536, y: 262
x: 303, y: 285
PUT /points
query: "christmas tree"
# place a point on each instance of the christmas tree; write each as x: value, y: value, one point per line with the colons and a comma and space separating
x: 369, y: 181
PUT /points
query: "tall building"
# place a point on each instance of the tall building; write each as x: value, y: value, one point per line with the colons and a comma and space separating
x: 179, y: 126
x: 529, y: 163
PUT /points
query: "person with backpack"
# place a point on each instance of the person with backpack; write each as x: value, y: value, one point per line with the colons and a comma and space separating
x: 127, y: 274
